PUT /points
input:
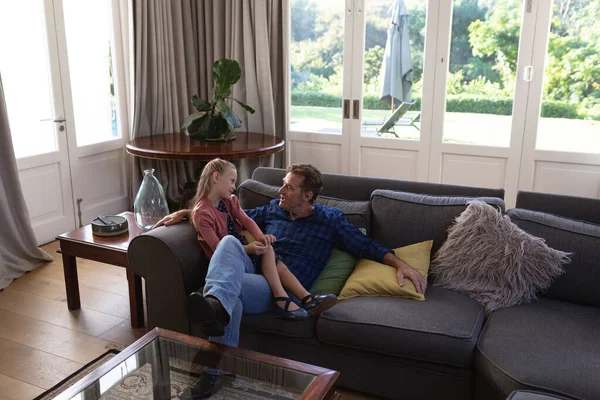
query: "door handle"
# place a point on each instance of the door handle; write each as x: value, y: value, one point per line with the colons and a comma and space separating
x: 346, y: 109
x: 356, y: 109
x: 59, y: 119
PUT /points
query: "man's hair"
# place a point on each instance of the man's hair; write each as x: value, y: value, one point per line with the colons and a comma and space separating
x: 313, y: 178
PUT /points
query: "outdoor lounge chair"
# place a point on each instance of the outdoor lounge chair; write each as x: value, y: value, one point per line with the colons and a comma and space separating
x: 394, y: 120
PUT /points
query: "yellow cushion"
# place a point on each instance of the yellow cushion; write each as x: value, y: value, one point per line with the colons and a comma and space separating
x: 371, y: 278
x: 248, y: 236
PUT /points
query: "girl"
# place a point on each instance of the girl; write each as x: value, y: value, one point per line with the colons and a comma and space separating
x: 217, y: 213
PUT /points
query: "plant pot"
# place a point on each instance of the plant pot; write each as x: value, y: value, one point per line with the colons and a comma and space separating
x: 216, y: 131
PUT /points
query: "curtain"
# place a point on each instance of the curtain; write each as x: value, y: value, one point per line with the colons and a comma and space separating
x: 18, y: 250
x: 176, y: 44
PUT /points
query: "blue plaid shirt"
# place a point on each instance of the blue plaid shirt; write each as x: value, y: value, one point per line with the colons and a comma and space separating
x: 305, y: 244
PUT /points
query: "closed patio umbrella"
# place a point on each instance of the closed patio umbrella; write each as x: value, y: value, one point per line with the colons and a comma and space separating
x: 396, y: 81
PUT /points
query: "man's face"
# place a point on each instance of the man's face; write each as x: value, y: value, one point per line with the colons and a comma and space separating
x: 290, y: 194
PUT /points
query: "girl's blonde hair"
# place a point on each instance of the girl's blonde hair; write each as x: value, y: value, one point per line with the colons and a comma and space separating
x: 204, y: 184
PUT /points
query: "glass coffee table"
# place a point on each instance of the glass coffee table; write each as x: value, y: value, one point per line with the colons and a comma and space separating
x: 169, y: 365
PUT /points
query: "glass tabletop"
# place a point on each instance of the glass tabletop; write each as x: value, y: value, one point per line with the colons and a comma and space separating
x: 166, y: 368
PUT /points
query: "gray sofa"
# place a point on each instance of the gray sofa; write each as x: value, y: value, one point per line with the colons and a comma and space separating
x: 444, y: 347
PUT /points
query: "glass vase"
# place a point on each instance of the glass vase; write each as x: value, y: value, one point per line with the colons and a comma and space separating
x: 150, y: 204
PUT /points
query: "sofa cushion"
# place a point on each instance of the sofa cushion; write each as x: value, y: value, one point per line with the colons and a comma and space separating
x: 358, y: 213
x: 401, y: 218
x: 580, y: 282
x: 444, y: 329
x: 253, y: 194
x: 269, y: 323
x: 338, y: 269
x: 492, y: 260
x: 548, y: 345
x: 371, y: 278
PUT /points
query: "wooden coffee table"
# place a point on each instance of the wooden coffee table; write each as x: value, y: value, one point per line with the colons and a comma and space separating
x: 109, y: 250
x: 165, y: 365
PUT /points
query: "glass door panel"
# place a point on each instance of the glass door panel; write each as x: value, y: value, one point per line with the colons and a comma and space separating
x: 570, y: 112
x: 393, y: 68
x: 88, y: 34
x: 26, y: 77
x: 484, y: 46
x: 317, y: 59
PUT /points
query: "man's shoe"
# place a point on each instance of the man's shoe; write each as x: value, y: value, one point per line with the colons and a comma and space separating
x: 208, y: 312
x: 317, y: 304
x: 285, y: 313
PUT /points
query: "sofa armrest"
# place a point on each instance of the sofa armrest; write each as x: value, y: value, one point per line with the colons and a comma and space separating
x: 173, y: 265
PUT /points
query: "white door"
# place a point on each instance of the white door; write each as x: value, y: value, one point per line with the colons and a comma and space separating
x: 321, y: 56
x: 403, y: 151
x: 479, y: 139
x: 94, y: 99
x: 561, y: 152
x: 330, y: 74
x: 31, y: 79
x: 62, y: 101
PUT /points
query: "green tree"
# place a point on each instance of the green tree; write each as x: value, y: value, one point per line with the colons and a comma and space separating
x: 497, y: 37
x: 303, y: 22
x: 572, y: 70
x: 416, y: 34
x: 373, y: 61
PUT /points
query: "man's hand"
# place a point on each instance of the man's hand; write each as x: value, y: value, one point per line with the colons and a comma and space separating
x: 255, y: 247
x: 406, y: 271
x: 267, y: 239
x: 174, y: 218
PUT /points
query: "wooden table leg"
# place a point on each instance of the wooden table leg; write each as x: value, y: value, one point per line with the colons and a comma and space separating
x: 136, y: 303
x: 71, y: 282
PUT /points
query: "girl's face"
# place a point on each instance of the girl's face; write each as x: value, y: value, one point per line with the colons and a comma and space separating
x: 225, y: 183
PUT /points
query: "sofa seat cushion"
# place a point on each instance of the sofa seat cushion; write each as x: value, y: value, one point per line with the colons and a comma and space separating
x: 549, y: 345
x: 443, y: 329
x: 269, y: 323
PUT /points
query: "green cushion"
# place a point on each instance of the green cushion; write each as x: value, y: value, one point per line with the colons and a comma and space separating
x: 338, y: 269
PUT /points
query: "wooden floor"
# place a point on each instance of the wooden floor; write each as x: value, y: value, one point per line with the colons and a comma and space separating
x: 42, y: 342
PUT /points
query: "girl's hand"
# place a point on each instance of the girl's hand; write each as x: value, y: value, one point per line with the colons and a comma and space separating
x: 255, y: 247
x: 267, y: 239
x: 174, y: 218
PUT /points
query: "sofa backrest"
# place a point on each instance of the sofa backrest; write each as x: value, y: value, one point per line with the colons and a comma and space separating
x: 581, y: 280
x: 252, y: 194
x: 581, y: 208
x: 401, y: 218
x: 360, y: 187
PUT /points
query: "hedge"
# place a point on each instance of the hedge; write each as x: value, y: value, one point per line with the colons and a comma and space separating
x: 454, y: 103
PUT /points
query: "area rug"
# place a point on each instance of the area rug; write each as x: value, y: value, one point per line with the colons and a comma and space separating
x: 77, y: 375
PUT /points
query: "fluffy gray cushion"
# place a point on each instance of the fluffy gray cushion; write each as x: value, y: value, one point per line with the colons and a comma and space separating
x: 495, y: 262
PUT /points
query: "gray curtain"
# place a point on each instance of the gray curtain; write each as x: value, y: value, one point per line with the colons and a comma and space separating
x: 18, y: 250
x: 176, y: 44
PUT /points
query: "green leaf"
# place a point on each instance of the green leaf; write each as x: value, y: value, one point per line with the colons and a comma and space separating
x: 229, y: 115
x: 226, y: 73
x: 191, y: 119
x: 244, y: 106
x: 201, y: 105
x: 193, y: 125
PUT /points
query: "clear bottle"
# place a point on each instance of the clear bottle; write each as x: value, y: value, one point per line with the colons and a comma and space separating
x: 150, y: 204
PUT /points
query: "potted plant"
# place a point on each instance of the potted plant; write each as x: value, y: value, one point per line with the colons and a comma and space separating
x: 215, y: 120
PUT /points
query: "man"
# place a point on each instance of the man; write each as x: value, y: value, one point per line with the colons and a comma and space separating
x: 304, y: 235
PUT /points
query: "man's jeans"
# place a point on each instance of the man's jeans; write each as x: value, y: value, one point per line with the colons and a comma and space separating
x: 233, y: 279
